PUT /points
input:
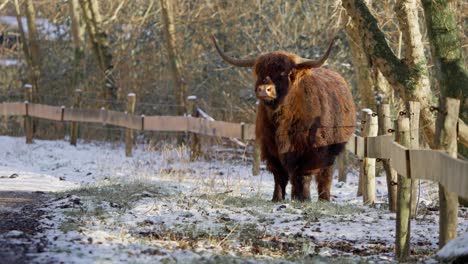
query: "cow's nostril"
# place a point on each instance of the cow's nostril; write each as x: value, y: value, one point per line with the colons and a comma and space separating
x: 269, y: 89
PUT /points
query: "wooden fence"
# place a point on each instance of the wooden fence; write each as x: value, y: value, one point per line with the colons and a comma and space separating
x: 421, y: 164
x: 136, y: 122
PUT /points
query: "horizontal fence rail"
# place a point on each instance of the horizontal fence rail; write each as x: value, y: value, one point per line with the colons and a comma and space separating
x: 419, y: 164
x: 120, y: 119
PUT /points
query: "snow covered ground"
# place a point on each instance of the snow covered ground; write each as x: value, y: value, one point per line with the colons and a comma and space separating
x: 159, y: 207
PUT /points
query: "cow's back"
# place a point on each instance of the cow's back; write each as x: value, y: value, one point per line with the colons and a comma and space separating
x: 317, y: 112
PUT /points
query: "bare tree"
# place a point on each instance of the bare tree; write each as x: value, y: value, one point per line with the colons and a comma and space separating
x: 30, y: 45
x: 101, y: 48
x: 180, y: 85
x: 77, y: 31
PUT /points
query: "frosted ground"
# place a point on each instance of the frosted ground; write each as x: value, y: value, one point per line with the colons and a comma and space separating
x: 159, y: 207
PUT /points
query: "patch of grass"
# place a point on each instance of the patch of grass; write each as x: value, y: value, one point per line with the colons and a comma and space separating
x: 118, y: 195
x: 242, y: 202
x: 315, y: 210
x: 69, y: 225
x: 250, y: 232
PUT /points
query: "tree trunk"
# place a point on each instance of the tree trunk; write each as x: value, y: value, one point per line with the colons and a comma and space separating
x: 180, y: 86
x: 30, y: 45
x: 78, y: 38
x: 447, y: 55
x: 362, y: 67
x: 101, y: 48
x: 446, y: 50
x: 385, y: 123
x: 33, y: 48
x: 446, y: 139
x: 403, y: 222
x: 404, y: 78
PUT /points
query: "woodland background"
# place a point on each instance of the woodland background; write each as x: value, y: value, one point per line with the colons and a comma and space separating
x: 162, y: 51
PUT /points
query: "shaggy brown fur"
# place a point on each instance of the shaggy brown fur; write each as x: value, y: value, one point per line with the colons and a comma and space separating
x: 304, y: 133
x: 304, y: 124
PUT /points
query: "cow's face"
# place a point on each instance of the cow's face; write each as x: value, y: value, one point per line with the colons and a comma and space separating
x: 273, y: 71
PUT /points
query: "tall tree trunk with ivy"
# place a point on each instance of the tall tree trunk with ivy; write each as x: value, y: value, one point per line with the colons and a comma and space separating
x: 404, y: 77
x: 175, y: 65
x: 452, y: 76
x: 101, y: 48
x: 447, y: 54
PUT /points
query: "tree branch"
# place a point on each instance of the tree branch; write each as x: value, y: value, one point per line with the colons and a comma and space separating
x: 397, y: 72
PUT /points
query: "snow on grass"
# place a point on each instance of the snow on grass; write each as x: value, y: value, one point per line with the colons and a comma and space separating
x: 159, y: 207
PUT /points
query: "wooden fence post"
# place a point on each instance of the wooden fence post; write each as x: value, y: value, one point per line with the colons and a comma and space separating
x: 413, y: 111
x: 74, y: 125
x: 446, y: 139
x: 28, y: 123
x: 385, y: 124
x: 131, y: 101
x: 403, y: 224
x: 195, y: 148
x: 362, y: 117
x: 367, y: 173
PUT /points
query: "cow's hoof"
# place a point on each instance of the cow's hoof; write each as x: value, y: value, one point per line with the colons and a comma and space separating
x: 277, y: 199
x: 301, y: 198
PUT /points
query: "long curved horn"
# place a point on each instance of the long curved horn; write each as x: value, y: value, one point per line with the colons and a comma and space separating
x: 308, y: 63
x: 235, y: 62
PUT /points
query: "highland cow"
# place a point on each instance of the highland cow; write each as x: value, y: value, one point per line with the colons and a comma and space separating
x: 305, y: 116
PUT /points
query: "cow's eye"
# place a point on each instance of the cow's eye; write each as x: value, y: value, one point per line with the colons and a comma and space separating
x: 284, y: 73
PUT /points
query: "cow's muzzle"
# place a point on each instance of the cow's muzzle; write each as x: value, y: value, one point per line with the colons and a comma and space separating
x: 266, y: 92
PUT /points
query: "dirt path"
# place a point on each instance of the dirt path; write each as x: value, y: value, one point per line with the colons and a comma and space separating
x: 19, y: 216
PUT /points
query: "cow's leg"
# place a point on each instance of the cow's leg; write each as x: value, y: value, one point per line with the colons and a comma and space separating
x: 324, y: 180
x: 300, y: 187
x: 281, y: 180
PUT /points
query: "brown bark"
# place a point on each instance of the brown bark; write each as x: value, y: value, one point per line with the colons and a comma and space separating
x: 403, y: 223
x: 77, y: 31
x: 30, y: 45
x: 175, y: 65
x: 362, y: 67
x: 101, y: 48
x: 385, y: 123
x: 446, y: 139
x: 34, y: 47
